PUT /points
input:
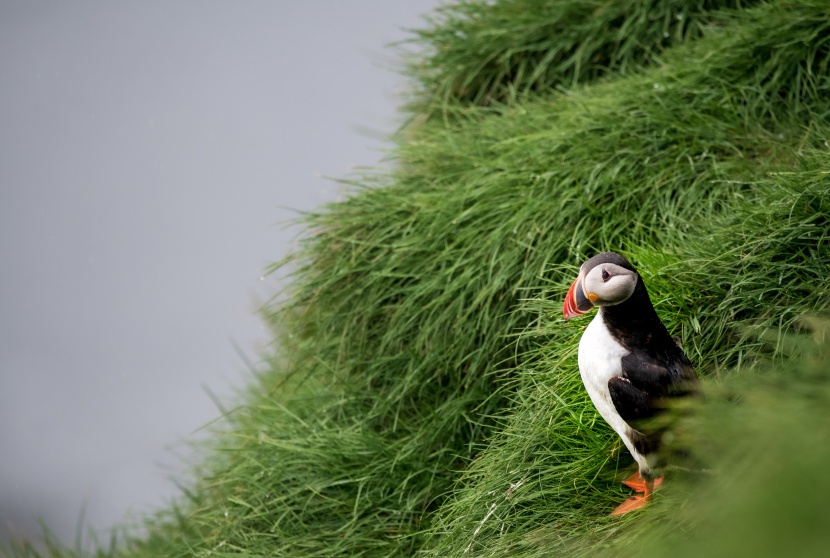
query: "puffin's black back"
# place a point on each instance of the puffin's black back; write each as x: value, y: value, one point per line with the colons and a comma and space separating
x: 656, y: 368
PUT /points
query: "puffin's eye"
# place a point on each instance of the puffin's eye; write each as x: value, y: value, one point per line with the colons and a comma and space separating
x: 605, y: 275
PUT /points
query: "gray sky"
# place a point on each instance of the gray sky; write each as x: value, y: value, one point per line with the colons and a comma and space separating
x: 147, y: 150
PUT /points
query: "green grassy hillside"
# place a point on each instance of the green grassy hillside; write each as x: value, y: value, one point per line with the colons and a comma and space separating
x: 423, y: 396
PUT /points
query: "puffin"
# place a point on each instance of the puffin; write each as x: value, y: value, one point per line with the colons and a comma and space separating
x: 631, y: 367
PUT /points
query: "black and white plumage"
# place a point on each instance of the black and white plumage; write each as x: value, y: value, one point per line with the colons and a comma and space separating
x: 630, y: 365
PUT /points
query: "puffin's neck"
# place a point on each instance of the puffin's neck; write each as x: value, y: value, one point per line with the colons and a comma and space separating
x: 634, y: 323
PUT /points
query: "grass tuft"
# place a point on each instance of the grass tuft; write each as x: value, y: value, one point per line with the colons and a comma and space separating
x: 497, y: 52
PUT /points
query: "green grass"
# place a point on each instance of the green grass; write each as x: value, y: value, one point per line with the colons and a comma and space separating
x: 725, y: 290
x: 507, y: 49
x: 423, y: 396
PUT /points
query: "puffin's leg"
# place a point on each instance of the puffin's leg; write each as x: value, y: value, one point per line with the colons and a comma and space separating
x: 635, y: 502
x: 637, y: 483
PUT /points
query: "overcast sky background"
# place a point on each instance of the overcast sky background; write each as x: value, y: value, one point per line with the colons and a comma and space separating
x: 147, y: 152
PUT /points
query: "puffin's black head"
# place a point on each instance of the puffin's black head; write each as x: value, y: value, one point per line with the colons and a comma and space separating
x: 604, y: 280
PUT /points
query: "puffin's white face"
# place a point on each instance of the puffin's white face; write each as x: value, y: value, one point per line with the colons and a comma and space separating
x: 608, y: 284
x: 600, y: 283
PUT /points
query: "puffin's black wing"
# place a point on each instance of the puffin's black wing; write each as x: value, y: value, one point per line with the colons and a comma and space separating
x: 646, y: 383
x: 643, y: 391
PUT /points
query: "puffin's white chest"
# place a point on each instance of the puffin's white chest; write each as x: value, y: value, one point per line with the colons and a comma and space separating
x: 600, y: 360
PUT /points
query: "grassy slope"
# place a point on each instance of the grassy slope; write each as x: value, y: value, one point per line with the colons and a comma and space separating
x: 425, y: 395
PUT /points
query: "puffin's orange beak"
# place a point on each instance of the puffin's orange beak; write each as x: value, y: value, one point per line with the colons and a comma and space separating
x: 576, y: 303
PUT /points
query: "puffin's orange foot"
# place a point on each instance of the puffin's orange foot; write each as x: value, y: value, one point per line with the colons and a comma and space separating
x: 638, y: 483
x: 631, y: 504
